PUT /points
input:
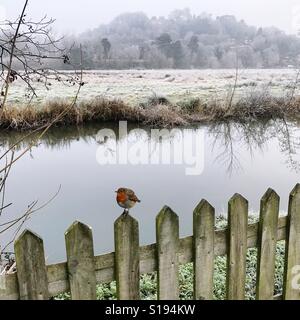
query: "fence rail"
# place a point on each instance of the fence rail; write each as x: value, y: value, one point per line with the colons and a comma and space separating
x: 83, y: 271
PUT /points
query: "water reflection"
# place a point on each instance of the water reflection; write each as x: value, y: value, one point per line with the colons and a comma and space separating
x: 238, y: 157
x: 228, y: 138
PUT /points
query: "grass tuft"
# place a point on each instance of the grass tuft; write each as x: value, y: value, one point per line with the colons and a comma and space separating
x: 158, y: 112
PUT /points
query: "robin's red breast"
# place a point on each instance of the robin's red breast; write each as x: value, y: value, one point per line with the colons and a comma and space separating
x: 126, y: 198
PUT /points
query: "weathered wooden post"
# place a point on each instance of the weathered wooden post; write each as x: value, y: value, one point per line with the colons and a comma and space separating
x: 203, y: 250
x: 237, y: 247
x: 267, y: 240
x: 31, y: 267
x: 9, y: 287
x: 127, y: 269
x: 80, y: 261
x: 291, y: 284
x: 167, y: 240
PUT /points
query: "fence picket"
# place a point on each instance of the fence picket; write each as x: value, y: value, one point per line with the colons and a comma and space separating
x: 267, y: 240
x: 237, y: 247
x: 32, y: 272
x: 167, y: 238
x: 203, y: 249
x: 292, y: 252
x: 80, y: 261
x: 34, y: 280
x: 127, y: 258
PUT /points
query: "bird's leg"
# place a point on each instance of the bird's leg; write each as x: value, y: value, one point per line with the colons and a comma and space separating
x: 126, y: 212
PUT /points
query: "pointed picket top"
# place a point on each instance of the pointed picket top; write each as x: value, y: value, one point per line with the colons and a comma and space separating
x: 77, y: 225
x: 203, y: 207
x: 270, y: 194
x: 296, y: 190
x: 238, y: 198
x: 294, y: 200
x: 29, y: 234
x: 125, y: 218
x: 164, y: 214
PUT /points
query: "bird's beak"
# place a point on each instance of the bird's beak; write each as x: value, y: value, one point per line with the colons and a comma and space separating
x: 116, y: 191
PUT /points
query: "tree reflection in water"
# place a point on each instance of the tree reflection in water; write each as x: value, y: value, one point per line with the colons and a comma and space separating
x: 230, y: 137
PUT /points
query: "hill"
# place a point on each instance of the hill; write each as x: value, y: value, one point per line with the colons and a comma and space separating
x: 183, y: 40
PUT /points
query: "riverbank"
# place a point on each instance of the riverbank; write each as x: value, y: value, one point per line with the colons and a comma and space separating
x: 156, y: 111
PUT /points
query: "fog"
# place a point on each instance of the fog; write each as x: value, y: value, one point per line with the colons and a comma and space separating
x: 78, y: 16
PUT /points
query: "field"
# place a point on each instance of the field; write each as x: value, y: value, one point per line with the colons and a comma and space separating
x: 135, y: 86
x: 163, y: 98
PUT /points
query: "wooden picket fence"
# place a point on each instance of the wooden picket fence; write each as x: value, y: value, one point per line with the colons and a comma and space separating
x: 83, y: 271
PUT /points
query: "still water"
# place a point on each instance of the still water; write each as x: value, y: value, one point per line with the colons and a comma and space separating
x: 241, y: 158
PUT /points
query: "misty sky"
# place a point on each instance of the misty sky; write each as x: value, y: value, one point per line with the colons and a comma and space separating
x: 75, y: 16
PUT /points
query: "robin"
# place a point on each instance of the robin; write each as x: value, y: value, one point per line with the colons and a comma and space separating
x: 126, y: 199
